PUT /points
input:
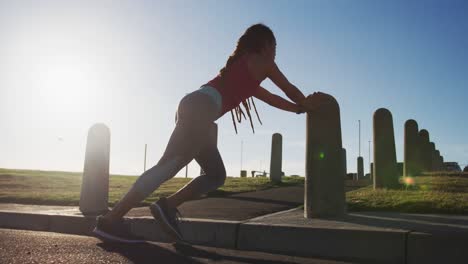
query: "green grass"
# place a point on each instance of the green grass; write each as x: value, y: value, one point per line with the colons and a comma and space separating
x: 63, y: 188
x: 429, y: 194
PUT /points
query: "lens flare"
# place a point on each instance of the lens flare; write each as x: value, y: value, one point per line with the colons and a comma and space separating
x: 321, y: 155
x: 408, y: 181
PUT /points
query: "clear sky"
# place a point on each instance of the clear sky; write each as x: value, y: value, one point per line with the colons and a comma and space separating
x: 65, y: 65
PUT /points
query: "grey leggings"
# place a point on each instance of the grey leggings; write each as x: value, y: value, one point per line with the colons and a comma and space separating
x: 190, y: 140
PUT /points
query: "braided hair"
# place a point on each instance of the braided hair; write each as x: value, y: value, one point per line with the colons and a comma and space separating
x: 254, y: 39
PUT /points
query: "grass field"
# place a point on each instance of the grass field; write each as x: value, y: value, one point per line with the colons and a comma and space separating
x: 428, y: 194
x: 63, y: 188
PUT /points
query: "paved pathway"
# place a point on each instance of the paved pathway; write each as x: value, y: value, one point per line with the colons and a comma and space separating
x: 239, y: 206
x: 19, y: 247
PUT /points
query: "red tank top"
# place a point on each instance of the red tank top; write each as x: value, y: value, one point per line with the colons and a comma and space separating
x: 237, y: 85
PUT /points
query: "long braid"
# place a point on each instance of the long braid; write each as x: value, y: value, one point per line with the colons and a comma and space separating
x: 240, y: 113
x: 233, y: 122
x: 238, y: 110
x: 244, y: 103
x: 255, y: 108
x: 253, y: 40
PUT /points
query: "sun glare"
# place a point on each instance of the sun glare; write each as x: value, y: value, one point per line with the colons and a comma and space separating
x: 62, y: 85
x: 63, y: 88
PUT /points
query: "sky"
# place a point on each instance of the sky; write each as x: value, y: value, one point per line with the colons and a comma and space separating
x: 66, y: 65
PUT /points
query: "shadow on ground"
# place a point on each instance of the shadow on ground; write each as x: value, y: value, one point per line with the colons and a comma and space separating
x: 180, y: 253
x: 146, y: 253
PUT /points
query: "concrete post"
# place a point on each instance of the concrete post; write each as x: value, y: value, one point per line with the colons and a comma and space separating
x: 213, y: 139
x: 276, y: 157
x: 360, y: 168
x: 385, y: 163
x: 432, y: 155
x: 95, y: 183
x: 345, y: 164
x: 400, y: 169
x: 324, y: 183
x: 438, y: 166
x: 441, y: 163
x: 424, y: 150
x: 411, y: 155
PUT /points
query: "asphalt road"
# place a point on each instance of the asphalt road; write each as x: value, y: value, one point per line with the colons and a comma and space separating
x: 19, y: 246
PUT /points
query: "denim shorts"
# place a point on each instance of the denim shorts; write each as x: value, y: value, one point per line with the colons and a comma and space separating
x: 213, y: 93
x: 199, y: 107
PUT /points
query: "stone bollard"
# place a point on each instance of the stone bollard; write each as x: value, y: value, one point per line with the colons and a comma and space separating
x: 438, y: 166
x: 400, y: 169
x: 441, y: 163
x: 276, y: 157
x: 345, y: 164
x: 433, y: 158
x: 424, y: 150
x: 360, y: 168
x: 411, y: 151
x: 213, y: 139
x: 95, y: 183
x: 324, y: 183
x: 385, y: 163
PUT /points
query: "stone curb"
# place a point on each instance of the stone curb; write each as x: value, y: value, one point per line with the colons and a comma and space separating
x: 219, y: 233
x: 361, y: 245
x: 342, y: 244
x: 437, y: 248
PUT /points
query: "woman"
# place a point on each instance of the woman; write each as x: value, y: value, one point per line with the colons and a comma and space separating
x: 252, y: 62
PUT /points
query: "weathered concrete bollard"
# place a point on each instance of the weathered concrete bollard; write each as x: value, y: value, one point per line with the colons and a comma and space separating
x: 95, y: 183
x: 433, y: 160
x: 424, y: 150
x: 324, y: 182
x: 276, y: 157
x: 400, y: 169
x: 345, y: 164
x: 385, y: 163
x: 441, y: 163
x: 213, y: 139
x: 360, y: 168
x: 438, y: 166
x: 411, y: 151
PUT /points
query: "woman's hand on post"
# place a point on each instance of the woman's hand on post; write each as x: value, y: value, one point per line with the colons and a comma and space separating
x: 314, y: 101
x: 301, y: 108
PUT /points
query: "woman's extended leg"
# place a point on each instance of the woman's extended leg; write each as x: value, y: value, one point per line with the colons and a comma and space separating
x: 167, y: 167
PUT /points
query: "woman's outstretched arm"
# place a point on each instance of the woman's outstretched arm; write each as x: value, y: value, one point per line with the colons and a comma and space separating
x: 277, y: 101
x: 278, y: 78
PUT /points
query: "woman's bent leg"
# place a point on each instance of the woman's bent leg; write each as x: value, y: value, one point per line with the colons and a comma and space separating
x: 214, y: 177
